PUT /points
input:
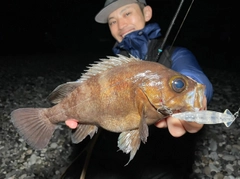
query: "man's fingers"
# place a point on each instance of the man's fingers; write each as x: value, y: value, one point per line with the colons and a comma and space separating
x: 161, y: 124
x: 71, y: 123
x: 175, y: 127
x: 192, y: 127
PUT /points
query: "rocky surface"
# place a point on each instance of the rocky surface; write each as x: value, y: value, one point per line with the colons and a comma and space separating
x: 27, y: 81
x: 218, y: 150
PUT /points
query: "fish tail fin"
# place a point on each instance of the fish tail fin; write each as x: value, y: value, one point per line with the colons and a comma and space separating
x: 33, y: 125
x: 227, y: 124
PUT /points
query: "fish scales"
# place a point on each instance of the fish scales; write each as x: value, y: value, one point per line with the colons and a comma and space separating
x: 119, y: 94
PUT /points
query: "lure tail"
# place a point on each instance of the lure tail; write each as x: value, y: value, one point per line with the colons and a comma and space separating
x: 33, y: 125
x: 234, y: 116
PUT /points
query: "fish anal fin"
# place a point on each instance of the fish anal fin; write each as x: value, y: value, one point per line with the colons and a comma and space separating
x: 82, y: 131
x: 33, y: 126
x: 129, y: 142
x: 62, y: 91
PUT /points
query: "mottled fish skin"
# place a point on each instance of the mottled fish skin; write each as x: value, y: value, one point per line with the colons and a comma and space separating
x: 119, y: 94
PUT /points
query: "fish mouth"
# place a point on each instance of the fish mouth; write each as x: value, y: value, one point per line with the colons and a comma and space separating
x: 164, y: 110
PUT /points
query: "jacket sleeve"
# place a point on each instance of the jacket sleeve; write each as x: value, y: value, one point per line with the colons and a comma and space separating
x: 184, y: 62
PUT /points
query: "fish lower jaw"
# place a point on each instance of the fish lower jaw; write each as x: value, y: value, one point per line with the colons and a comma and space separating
x: 197, y: 109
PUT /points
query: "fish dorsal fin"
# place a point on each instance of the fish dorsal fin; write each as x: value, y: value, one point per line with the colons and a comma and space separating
x: 100, y: 66
x: 105, y: 64
x: 62, y: 91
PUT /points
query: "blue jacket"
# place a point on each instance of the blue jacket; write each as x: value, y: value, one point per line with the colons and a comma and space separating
x: 139, y: 44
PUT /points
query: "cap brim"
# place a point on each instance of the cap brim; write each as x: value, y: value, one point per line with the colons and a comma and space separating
x: 102, y: 16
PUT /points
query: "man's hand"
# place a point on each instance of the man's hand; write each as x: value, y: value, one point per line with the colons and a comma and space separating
x: 178, y: 127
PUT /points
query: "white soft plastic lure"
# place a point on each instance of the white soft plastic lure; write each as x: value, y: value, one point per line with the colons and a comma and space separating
x: 208, y: 117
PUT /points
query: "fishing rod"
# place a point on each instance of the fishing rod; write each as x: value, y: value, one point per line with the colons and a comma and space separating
x: 172, y: 23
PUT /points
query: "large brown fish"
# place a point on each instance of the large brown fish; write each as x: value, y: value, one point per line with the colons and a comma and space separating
x: 119, y: 94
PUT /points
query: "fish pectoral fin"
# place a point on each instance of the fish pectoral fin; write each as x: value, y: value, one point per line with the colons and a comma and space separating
x: 33, y: 125
x: 129, y: 141
x: 143, y: 129
x: 62, y: 91
x: 82, y: 131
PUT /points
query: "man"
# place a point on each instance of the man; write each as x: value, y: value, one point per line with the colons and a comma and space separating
x: 127, y: 22
x: 163, y: 155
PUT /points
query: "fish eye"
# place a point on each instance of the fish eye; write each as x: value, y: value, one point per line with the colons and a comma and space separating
x: 178, y: 84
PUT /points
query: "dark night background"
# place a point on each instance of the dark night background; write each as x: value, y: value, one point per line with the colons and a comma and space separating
x: 46, y: 43
x: 68, y: 27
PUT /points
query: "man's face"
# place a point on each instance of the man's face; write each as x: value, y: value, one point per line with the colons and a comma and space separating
x: 126, y: 19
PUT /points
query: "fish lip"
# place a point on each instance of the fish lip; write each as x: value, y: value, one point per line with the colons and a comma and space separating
x: 197, y: 109
x: 165, y: 111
